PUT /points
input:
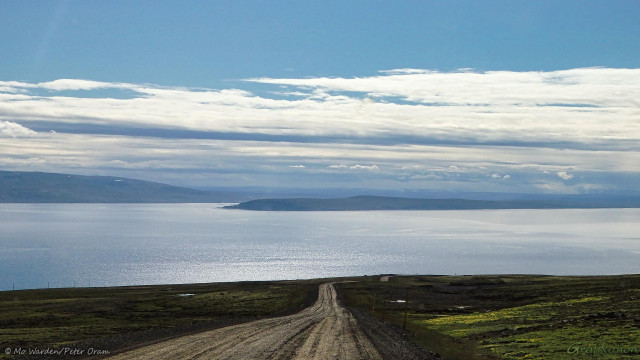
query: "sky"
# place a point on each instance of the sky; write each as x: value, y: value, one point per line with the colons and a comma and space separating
x: 472, y: 96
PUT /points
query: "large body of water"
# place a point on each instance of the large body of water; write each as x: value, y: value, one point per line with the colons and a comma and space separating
x: 59, y: 245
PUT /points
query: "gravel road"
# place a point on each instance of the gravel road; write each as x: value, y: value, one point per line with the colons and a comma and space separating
x: 325, y: 330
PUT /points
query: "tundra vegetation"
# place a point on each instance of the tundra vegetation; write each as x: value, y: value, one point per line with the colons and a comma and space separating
x: 459, y: 317
x: 120, y: 317
x: 510, y: 317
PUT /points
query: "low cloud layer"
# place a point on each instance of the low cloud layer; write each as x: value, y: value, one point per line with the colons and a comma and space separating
x: 402, y: 128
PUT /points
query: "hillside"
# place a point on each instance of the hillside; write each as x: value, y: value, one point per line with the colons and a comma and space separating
x: 37, y: 187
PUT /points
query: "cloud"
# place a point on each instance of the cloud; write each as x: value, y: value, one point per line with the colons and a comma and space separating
x: 430, y: 177
x: 557, y: 109
x: 355, y: 167
x: 297, y: 166
x: 11, y: 129
x: 365, y: 167
x: 405, y: 71
x: 64, y: 85
x: 404, y: 123
x: 564, y: 175
x: 255, y: 163
x: 571, y: 87
x: 78, y: 84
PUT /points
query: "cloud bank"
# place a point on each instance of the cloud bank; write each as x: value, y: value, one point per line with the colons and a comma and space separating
x: 405, y: 127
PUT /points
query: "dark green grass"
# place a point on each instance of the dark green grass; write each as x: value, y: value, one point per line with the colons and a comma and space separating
x: 510, y: 317
x: 60, y: 317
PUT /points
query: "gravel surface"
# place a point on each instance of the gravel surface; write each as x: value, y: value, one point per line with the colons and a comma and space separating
x: 325, y: 330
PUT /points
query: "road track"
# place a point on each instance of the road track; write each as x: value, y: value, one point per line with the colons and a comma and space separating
x: 326, y: 330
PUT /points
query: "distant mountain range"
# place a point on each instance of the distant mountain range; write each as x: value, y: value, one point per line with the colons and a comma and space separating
x: 37, y: 187
x: 398, y: 203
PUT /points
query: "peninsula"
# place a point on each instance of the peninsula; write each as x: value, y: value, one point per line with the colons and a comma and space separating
x: 399, y: 203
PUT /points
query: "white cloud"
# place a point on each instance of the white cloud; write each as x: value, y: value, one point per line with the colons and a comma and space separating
x: 498, y: 176
x: 297, y: 166
x: 575, y: 86
x: 496, y: 123
x: 564, y: 175
x: 78, y: 84
x: 355, y: 167
x: 405, y: 71
x: 365, y: 167
x: 11, y: 129
x: 561, y: 106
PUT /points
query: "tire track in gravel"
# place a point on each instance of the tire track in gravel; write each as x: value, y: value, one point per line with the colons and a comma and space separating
x: 326, y: 330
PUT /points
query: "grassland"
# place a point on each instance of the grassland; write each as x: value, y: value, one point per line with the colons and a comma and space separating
x: 510, y: 317
x: 120, y: 317
x: 459, y: 317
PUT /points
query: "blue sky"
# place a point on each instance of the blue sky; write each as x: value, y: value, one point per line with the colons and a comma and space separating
x: 202, y: 43
x: 514, y: 96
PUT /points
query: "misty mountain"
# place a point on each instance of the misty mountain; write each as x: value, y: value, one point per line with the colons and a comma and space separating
x: 38, y: 187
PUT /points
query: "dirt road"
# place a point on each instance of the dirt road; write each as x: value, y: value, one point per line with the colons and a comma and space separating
x: 325, y: 330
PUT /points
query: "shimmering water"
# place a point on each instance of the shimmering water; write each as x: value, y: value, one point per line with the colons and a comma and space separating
x: 59, y: 245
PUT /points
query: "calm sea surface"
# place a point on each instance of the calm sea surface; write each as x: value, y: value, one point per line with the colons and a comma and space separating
x: 59, y: 245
